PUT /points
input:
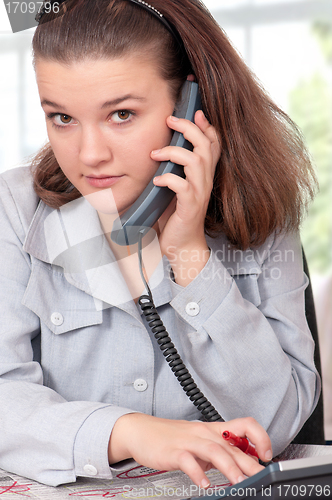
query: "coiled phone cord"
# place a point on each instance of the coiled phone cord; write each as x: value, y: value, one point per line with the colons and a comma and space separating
x: 171, y: 354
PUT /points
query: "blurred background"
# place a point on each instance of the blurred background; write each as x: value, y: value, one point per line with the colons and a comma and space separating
x: 288, y: 45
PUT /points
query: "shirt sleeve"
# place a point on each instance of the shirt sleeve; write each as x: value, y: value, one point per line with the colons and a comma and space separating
x: 248, y: 340
x: 42, y: 436
x: 91, y: 444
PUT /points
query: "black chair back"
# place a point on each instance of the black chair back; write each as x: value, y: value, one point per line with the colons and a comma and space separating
x: 312, y: 431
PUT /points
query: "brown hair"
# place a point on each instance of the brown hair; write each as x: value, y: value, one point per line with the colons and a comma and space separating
x: 264, y: 178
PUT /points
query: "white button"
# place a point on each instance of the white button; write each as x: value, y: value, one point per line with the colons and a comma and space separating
x: 192, y: 309
x: 90, y: 469
x: 57, y: 319
x: 140, y: 385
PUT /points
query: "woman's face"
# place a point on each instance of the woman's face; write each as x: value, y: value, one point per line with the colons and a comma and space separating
x: 103, y: 120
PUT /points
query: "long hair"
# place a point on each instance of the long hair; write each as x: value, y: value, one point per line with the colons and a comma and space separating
x: 264, y: 179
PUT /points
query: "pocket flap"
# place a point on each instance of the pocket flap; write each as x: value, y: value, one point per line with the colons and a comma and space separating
x: 61, y: 306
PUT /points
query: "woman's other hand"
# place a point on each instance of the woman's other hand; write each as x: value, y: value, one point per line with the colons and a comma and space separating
x: 193, y: 447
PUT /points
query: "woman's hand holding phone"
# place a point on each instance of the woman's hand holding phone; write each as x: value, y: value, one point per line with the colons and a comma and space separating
x: 182, y: 224
x: 193, y: 447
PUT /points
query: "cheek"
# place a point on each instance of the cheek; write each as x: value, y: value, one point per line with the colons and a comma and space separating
x: 64, y: 153
x: 163, y: 134
x: 151, y: 139
x: 155, y: 136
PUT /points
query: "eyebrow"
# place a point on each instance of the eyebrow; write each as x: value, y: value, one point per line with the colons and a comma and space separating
x: 115, y: 102
x: 107, y: 104
x: 46, y: 102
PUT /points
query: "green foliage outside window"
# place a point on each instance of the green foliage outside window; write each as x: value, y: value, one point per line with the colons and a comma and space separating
x: 311, y: 108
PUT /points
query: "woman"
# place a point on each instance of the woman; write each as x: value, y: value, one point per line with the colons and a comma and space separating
x: 84, y: 384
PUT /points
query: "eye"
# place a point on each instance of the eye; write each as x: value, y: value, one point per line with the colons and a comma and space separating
x: 59, y: 120
x: 123, y: 115
x: 62, y: 119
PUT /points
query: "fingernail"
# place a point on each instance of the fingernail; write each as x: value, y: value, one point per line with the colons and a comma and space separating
x: 156, y: 151
x: 268, y: 455
x: 156, y: 179
x: 174, y: 118
x: 240, y: 479
x: 205, y: 483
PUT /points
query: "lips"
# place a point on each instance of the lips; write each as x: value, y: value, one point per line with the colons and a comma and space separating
x: 102, y: 181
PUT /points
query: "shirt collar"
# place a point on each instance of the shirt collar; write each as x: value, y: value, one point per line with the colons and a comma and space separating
x: 72, y: 239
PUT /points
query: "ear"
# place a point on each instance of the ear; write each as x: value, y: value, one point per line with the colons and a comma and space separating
x: 191, y: 78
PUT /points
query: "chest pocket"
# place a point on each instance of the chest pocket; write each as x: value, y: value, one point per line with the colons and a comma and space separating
x: 61, y: 306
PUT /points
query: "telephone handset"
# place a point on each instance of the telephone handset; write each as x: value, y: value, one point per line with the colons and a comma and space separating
x: 130, y: 228
x: 154, y: 200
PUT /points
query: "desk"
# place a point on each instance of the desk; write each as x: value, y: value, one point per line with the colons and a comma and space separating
x: 135, y: 482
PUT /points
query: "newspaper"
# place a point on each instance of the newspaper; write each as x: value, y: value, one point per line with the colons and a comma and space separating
x: 135, y: 483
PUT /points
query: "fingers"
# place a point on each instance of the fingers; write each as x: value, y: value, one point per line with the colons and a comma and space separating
x: 224, y: 459
x: 193, y: 468
x: 193, y: 133
x: 231, y: 461
x: 250, y: 428
x: 204, y: 454
x: 210, y: 132
x: 191, y: 204
x: 204, y: 139
x: 236, y: 465
x: 199, y: 164
x: 185, y: 226
x: 198, y: 168
x: 204, y: 448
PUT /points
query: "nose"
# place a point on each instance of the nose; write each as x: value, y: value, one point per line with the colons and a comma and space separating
x: 94, y: 146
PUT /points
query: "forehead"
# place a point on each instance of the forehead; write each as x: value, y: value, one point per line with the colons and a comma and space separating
x: 97, y: 75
